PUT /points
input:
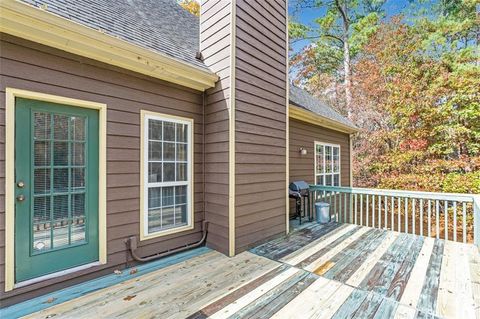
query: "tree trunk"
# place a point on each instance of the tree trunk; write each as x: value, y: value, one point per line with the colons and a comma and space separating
x: 346, y: 56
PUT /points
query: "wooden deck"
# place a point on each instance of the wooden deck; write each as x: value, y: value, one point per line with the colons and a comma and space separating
x: 330, y: 271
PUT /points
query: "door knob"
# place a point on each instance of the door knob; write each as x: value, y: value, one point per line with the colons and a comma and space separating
x: 20, y: 198
x: 20, y: 184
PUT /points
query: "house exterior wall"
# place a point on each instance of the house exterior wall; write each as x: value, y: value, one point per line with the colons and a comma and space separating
x: 305, y: 135
x: 260, y: 121
x: 34, y: 67
x: 216, y: 49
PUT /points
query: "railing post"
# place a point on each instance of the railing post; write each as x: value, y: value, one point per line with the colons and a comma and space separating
x: 476, y: 220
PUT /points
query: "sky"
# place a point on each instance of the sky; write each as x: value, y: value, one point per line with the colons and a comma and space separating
x: 307, y: 16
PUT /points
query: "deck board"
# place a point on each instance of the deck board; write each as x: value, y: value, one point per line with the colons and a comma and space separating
x: 319, y: 271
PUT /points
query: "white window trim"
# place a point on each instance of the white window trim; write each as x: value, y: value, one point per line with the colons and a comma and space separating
x: 144, y: 184
x: 315, y: 162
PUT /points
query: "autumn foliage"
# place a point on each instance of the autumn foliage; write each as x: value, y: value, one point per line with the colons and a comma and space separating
x: 191, y: 6
x: 416, y: 91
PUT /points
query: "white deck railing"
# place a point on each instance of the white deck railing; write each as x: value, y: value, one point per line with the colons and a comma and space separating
x: 441, y: 215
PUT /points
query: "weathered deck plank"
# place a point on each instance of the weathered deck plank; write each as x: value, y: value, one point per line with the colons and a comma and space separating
x: 320, y: 271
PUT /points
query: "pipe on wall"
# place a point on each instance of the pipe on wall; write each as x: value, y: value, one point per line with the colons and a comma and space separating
x: 133, y: 246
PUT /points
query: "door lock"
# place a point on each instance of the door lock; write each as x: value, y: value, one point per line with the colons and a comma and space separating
x: 20, y: 184
x: 20, y: 198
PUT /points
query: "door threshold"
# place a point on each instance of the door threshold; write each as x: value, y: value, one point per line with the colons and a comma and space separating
x: 56, y: 274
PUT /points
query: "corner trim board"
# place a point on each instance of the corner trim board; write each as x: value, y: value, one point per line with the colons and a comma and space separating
x: 287, y: 129
x: 231, y: 139
x: 34, y: 24
x: 11, y: 94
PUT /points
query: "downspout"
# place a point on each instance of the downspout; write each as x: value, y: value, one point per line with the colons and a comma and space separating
x: 132, y: 241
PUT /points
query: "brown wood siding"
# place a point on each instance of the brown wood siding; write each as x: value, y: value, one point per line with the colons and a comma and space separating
x: 260, y: 128
x: 305, y: 135
x: 215, y: 26
x: 29, y: 66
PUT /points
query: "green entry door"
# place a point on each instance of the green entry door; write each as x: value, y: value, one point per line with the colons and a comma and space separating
x: 56, y: 176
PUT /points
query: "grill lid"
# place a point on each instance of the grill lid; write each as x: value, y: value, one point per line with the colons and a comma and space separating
x: 298, y: 186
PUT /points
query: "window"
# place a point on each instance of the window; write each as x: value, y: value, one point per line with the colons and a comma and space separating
x: 167, y: 174
x: 327, y: 164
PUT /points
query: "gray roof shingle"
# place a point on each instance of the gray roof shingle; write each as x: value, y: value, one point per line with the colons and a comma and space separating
x: 158, y: 25
x: 305, y: 100
x: 162, y: 26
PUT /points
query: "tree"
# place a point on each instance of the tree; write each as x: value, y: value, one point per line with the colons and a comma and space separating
x: 341, y: 29
x: 191, y: 6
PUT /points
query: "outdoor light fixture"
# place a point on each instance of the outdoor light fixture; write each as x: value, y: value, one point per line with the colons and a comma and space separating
x: 302, y: 151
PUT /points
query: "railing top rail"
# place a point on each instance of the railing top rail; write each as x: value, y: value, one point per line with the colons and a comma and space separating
x: 400, y: 193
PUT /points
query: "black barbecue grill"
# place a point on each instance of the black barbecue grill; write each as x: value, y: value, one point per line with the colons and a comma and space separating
x: 298, y: 190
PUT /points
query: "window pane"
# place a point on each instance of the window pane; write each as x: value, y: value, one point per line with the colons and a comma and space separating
x: 319, y: 158
x: 181, y: 172
x: 168, y: 196
x: 169, y: 131
x: 169, y: 172
x: 181, y: 215
x: 336, y: 159
x: 154, y: 220
x: 336, y: 180
x: 154, y: 130
x: 328, y: 159
x: 181, y: 152
x: 320, y: 180
x: 154, y: 197
x: 182, y: 133
x: 154, y: 172
x: 168, y: 216
x: 168, y: 151
x: 328, y: 180
x: 180, y: 195
x: 155, y: 151
x: 41, y: 237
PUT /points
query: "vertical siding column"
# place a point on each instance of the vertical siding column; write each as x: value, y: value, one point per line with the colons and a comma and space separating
x: 217, y: 28
x: 260, y: 120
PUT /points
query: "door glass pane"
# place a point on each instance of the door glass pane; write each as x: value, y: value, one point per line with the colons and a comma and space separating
x: 78, y: 154
x: 41, y: 237
x: 42, y: 124
x: 59, y: 182
x: 60, y: 153
x: 78, y: 128
x: 42, y: 153
x: 41, y: 183
x: 60, y: 127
